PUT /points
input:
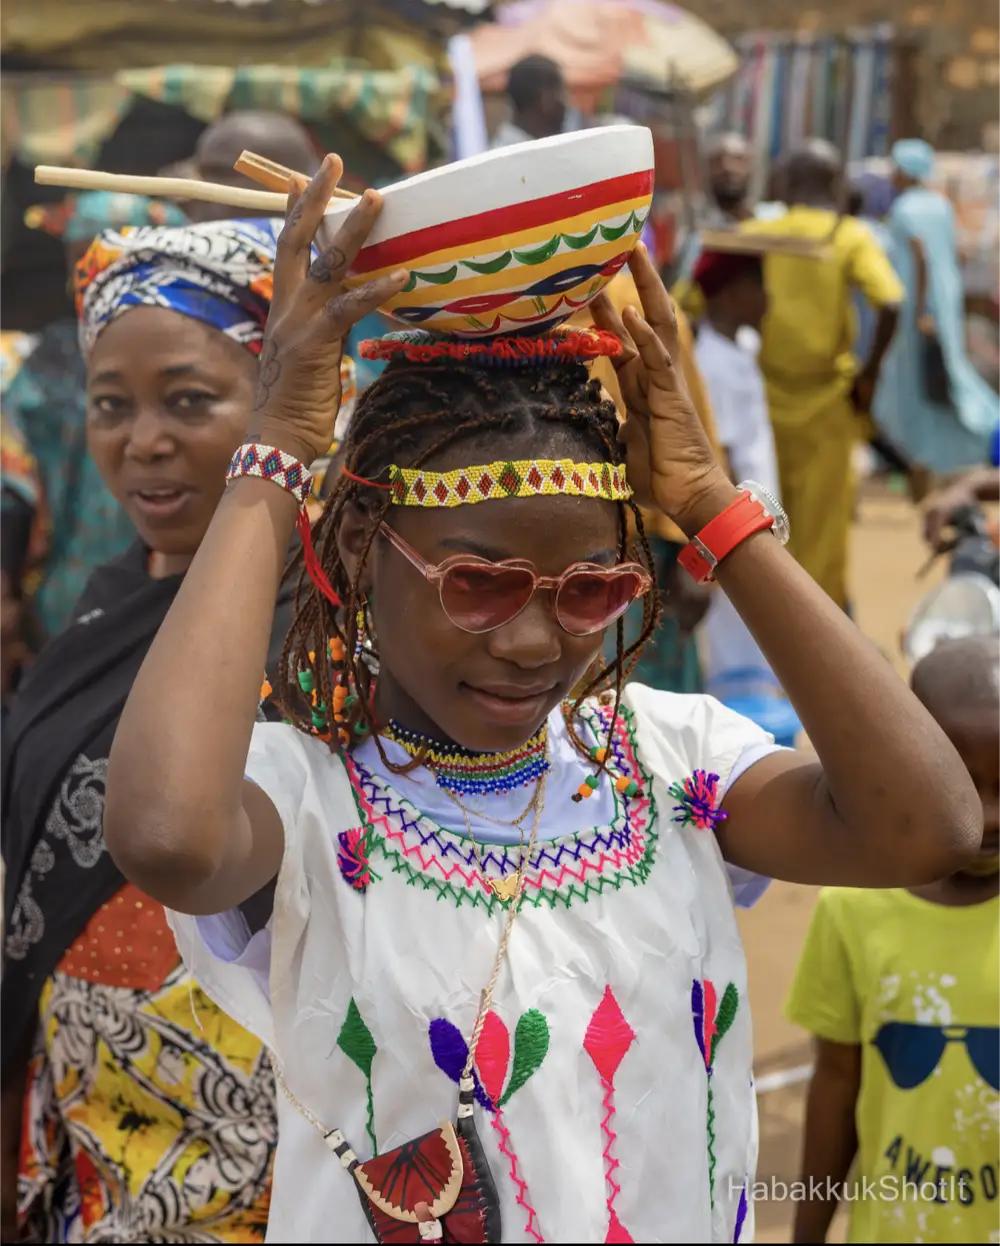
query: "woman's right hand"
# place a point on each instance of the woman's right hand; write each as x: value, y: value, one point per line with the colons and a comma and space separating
x: 298, y: 389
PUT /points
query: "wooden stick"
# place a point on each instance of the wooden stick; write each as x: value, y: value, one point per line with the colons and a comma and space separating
x: 160, y: 188
x: 275, y: 176
x: 166, y: 188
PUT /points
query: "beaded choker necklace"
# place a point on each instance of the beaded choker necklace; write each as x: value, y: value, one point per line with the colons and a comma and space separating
x: 467, y: 773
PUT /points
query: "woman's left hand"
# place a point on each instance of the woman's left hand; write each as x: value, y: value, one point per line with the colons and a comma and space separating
x: 669, y: 460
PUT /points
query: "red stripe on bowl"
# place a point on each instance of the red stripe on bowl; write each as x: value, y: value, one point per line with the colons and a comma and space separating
x: 406, y: 248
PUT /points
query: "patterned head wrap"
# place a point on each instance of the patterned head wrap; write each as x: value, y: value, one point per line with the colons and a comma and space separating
x: 220, y: 272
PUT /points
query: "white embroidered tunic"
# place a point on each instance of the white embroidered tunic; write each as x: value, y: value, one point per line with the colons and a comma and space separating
x: 614, y: 1076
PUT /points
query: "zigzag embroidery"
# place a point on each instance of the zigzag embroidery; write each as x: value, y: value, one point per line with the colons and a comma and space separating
x: 574, y: 868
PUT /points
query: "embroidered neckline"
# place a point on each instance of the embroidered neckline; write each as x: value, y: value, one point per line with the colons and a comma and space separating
x: 467, y: 773
x: 570, y: 868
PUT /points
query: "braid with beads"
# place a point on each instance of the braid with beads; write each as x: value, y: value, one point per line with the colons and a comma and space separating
x: 409, y: 415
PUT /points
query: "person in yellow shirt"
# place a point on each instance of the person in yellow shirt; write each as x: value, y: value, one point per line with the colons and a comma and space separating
x: 670, y: 659
x: 816, y: 389
x: 901, y: 990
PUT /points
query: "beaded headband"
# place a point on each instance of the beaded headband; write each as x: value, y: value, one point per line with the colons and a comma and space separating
x: 522, y: 478
x: 559, y: 345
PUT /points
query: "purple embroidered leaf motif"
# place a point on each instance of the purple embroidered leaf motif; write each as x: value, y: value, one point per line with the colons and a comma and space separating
x: 608, y: 1038
x: 697, y: 800
x: 741, y: 1215
x: 450, y: 1052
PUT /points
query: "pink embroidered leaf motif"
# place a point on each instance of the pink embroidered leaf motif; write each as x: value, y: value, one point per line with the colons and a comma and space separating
x: 703, y: 1012
x: 710, y: 1025
x: 697, y: 801
x: 608, y: 1038
x: 493, y: 1056
x: 531, y: 1043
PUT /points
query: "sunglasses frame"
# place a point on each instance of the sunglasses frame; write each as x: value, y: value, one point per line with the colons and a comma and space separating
x: 436, y: 573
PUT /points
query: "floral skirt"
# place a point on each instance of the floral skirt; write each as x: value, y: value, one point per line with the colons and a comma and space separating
x: 149, y: 1115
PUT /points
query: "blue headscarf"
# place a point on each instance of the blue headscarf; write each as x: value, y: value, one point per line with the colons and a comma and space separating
x: 913, y: 157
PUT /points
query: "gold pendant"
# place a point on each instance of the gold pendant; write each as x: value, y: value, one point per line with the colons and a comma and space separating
x: 505, y: 889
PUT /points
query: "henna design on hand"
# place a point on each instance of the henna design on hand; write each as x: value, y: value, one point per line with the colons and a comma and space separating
x: 329, y: 264
x: 267, y: 377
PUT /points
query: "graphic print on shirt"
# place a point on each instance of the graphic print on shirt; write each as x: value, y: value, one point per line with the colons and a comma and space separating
x: 564, y: 871
x: 712, y: 1020
x: 936, y: 1054
x: 608, y: 1038
x: 531, y: 1045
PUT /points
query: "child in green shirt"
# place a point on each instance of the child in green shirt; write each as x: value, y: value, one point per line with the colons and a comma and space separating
x: 902, y: 992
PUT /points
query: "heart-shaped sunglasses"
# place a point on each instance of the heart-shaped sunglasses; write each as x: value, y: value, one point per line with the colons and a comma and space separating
x: 479, y: 596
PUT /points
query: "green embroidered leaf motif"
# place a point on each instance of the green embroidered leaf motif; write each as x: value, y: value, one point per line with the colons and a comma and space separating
x: 726, y: 1015
x: 410, y: 285
x: 531, y: 1044
x: 438, y: 279
x: 489, y: 266
x: 576, y: 242
x: 611, y: 233
x: 538, y: 255
x: 355, y: 1040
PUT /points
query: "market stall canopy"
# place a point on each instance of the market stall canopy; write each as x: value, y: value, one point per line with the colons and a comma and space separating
x: 599, y: 43
x: 99, y: 36
x: 51, y: 121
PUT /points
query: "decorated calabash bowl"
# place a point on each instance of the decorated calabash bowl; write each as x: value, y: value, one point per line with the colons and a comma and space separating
x: 513, y: 241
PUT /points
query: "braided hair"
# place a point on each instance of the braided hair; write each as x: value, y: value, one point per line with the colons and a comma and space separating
x: 412, y: 413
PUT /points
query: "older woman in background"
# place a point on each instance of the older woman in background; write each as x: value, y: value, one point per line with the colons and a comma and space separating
x: 148, y: 1114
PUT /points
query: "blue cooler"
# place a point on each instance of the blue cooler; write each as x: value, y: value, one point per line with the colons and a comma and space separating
x: 756, y: 694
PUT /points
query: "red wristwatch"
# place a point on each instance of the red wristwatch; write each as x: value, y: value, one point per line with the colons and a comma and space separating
x: 755, y: 510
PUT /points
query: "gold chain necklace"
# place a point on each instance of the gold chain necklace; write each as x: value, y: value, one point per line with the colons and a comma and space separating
x: 509, y: 886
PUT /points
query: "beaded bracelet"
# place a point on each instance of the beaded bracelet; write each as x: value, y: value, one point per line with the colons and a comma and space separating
x: 270, y: 463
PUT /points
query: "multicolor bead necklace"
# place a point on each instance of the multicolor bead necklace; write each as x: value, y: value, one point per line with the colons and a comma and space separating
x: 467, y: 773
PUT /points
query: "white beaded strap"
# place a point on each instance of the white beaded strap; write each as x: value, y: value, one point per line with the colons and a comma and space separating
x: 270, y: 463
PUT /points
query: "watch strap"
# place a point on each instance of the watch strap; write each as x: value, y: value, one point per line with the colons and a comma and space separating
x: 742, y: 518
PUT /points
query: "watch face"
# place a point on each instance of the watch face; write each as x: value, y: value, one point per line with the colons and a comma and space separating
x: 773, y: 507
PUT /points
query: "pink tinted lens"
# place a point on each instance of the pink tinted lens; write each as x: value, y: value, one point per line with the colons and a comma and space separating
x: 478, y: 597
x: 589, y: 600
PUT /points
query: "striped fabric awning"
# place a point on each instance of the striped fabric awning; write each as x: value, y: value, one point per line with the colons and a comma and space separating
x: 66, y: 120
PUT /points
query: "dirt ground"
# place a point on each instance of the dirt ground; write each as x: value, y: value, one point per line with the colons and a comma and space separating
x: 886, y: 554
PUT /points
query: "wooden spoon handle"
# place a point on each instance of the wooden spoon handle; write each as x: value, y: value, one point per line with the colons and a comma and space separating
x: 275, y: 176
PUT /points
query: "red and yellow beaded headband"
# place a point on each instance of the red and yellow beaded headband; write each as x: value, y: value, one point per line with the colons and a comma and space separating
x: 521, y: 478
